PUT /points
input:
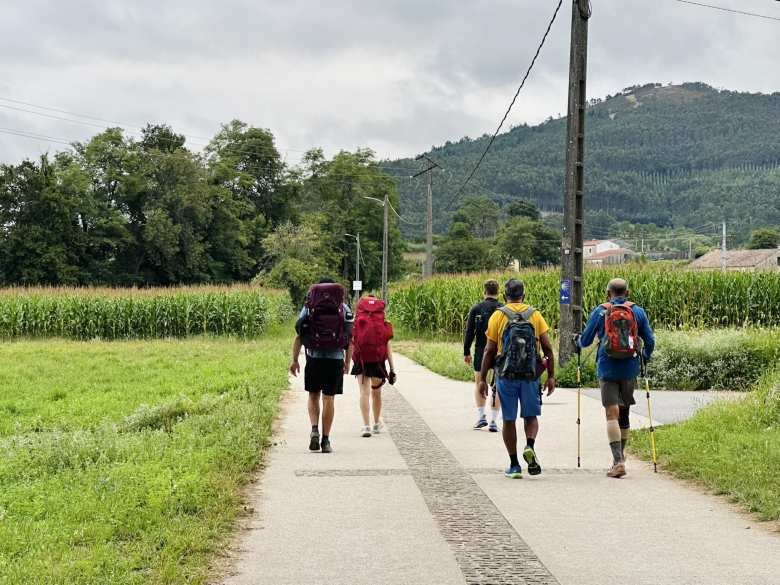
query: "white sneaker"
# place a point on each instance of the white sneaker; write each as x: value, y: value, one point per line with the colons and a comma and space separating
x: 366, y: 431
x: 378, y: 428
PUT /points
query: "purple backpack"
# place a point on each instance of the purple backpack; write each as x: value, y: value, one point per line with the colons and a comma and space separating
x: 323, y: 328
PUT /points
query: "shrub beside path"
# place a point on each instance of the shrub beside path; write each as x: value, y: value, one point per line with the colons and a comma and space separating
x: 426, y: 502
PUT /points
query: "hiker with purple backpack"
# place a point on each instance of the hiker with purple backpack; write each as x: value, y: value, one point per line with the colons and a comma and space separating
x: 324, y: 328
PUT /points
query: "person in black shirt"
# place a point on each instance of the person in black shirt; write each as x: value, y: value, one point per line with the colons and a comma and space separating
x: 478, y: 318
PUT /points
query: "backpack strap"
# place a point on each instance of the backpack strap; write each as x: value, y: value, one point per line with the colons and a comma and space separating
x: 510, y: 314
x: 526, y: 315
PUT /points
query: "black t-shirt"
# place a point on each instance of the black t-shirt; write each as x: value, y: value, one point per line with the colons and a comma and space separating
x: 477, y: 323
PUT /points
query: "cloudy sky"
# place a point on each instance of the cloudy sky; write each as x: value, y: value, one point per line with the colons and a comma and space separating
x: 395, y: 75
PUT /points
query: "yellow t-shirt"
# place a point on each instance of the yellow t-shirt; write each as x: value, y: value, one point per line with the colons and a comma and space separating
x: 498, y: 322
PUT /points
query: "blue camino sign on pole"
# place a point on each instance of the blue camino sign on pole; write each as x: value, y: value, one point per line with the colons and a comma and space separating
x: 566, y: 292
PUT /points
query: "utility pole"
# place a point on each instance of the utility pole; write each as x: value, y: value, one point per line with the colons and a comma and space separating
x: 571, y: 300
x: 385, y: 246
x: 723, y: 249
x: 428, y: 266
x: 357, y: 269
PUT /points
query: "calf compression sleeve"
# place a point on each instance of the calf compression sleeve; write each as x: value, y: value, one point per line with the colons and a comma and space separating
x: 613, y: 434
x: 625, y: 429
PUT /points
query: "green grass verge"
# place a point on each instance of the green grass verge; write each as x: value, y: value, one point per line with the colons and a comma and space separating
x: 123, y: 462
x: 731, y: 447
x: 442, y: 357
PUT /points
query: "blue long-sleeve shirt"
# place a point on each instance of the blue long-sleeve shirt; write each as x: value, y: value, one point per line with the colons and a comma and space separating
x: 608, y: 368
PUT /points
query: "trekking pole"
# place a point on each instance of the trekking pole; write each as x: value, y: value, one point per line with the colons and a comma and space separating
x: 579, y: 423
x: 650, y: 414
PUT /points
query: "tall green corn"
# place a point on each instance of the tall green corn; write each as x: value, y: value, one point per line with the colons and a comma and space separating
x: 674, y: 298
x: 129, y: 313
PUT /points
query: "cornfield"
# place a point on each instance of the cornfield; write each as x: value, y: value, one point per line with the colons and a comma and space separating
x: 109, y: 314
x: 673, y: 297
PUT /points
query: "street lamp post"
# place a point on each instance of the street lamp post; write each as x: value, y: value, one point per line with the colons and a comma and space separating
x: 357, y: 267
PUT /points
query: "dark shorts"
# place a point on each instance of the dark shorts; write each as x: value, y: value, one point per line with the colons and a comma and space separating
x: 617, y: 392
x: 477, y: 361
x: 324, y: 375
x: 370, y: 369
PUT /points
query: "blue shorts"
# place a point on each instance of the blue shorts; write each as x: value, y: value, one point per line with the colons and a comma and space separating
x: 526, y: 392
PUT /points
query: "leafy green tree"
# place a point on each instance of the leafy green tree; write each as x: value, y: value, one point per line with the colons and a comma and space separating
x: 521, y: 208
x: 481, y: 214
x: 764, y: 238
x: 348, y: 191
x: 462, y: 252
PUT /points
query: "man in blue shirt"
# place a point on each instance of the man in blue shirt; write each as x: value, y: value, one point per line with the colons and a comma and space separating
x: 617, y: 368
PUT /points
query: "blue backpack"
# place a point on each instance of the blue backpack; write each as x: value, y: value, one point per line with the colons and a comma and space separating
x: 518, y: 358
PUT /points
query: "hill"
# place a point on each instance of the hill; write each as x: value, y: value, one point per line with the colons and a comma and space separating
x: 676, y: 155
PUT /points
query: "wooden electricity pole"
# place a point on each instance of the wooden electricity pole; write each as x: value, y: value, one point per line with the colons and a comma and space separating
x: 428, y: 266
x: 571, y: 302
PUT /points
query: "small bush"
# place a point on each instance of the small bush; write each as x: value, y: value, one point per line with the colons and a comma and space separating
x: 713, y: 359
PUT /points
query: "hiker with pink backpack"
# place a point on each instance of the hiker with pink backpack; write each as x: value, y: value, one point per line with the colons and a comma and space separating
x: 324, y: 328
x: 371, y: 351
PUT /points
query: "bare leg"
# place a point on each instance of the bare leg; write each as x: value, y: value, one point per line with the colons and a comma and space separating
x: 509, y: 433
x: 531, y: 425
x: 314, y: 408
x: 327, y: 414
x: 364, y: 383
x: 479, y: 400
x: 376, y: 399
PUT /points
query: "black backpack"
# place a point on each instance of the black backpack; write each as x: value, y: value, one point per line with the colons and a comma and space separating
x: 517, y: 360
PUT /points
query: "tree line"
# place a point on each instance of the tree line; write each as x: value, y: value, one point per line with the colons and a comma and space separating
x: 124, y: 211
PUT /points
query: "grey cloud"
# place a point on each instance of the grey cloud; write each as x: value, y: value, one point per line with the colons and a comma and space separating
x: 400, y: 75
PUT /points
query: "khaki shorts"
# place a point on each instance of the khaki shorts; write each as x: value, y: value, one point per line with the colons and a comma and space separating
x: 617, y: 392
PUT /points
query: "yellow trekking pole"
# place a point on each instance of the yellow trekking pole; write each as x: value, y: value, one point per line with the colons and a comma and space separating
x: 579, y: 423
x: 650, y: 414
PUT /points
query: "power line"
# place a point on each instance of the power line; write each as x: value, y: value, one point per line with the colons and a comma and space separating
x: 509, y: 109
x: 731, y: 10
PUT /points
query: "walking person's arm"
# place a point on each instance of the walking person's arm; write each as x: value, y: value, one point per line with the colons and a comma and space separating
x: 391, y: 376
x: 647, y: 335
x: 591, y: 329
x: 488, y: 357
x: 295, y: 366
x: 347, y: 357
x: 468, y: 338
x: 547, y: 349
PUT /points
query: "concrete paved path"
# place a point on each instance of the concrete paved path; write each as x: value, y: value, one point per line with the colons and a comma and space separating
x: 426, y: 502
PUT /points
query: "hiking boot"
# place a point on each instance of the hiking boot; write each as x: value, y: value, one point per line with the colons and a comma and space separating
x: 314, y: 441
x: 378, y: 426
x: 493, y: 427
x: 514, y: 472
x: 530, y: 458
x: 617, y: 470
x: 481, y: 424
x: 326, y: 448
x: 366, y: 432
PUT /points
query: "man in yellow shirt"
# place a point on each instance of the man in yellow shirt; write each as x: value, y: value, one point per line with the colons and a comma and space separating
x: 516, y: 335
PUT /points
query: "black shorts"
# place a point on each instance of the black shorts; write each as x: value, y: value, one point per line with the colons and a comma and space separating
x: 477, y: 361
x: 370, y: 369
x: 324, y: 375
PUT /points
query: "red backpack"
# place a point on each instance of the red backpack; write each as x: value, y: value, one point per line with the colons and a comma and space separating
x: 371, y: 331
x: 323, y: 328
x: 621, y: 332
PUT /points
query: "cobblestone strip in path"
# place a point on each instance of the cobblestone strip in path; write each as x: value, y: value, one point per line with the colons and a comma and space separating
x: 496, y: 556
